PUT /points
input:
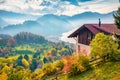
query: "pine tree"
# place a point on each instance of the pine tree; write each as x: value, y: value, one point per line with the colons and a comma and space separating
x: 26, y: 57
x: 117, y: 23
x: 34, y: 64
x: 19, y: 61
x: 117, y: 18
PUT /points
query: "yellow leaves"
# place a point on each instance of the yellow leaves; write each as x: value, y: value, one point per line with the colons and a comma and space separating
x: 63, y: 49
x: 81, y: 68
x: 6, y: 69
x: 40, y: 75
x: 102, y: 45
x: 3, y: 76
x: 37, y: 74
x: 64, y: 61
x: 74, y: 53
x: 49, y: 68
x: 25, y: 47
x: 25, y: 62
x: 11, y: 59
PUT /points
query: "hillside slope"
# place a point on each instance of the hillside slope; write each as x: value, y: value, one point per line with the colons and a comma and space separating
x: 105, y: 71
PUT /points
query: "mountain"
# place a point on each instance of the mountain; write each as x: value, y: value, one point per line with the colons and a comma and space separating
x: 52, y: 25
x: 8, y: 14
x: 90, y: 17
x: 5, y: 36
x: 3, y: 23
x: 15, y: 18
x: 55, y: 24
x: 86, y: 15
x: 27, y: 26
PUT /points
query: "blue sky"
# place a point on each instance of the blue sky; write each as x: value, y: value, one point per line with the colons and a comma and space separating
x: 59, y: 7
x: 76, y: 2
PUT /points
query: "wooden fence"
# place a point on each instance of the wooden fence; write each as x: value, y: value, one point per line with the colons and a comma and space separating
x: 98, y: 60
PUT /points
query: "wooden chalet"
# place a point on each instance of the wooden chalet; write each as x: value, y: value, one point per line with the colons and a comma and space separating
x: 87, y: 32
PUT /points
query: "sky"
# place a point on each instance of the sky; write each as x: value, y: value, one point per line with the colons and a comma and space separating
x: 59, y: 7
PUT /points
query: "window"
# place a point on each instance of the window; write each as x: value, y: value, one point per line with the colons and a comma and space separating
x: 90, y: 36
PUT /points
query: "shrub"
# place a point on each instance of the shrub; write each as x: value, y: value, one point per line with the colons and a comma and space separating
x: 68, y: 62
x: 76, y: 69
x: 19, y: 73
x: 82, y: 64
x: 59, y: 64
x: 49, y: 68
x: 5, y: 69
x: 103, y: 45
x: 84, y: 61
x: 115, y: 56
x: 38, y: 74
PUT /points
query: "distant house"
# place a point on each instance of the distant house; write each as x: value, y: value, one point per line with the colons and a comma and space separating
x: 87, y: 32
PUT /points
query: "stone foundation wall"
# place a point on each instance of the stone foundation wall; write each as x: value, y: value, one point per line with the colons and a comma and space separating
x: 83, y: 49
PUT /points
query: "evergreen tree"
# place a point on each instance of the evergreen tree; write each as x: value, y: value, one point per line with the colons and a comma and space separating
x: 45, y: 60
x: 20, y: 57
x: 19, y: 61
x: 117, y: 18
x: 35, y: 56
x: 33, y: 66
x: 117, y: 23
x: 26, y: 57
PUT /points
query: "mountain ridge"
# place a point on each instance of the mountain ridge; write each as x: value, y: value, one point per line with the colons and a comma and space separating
x: 55, y: 25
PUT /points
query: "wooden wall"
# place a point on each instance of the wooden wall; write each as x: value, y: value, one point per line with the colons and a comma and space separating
x: 85, y: 36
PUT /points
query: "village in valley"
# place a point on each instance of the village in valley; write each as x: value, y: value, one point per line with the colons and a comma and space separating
x: 31, y: 46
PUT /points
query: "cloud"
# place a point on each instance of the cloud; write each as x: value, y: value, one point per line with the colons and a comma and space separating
x: 65, y: 35
x: 59, y: 7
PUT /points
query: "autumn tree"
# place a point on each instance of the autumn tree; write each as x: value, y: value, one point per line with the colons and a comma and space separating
x: 25, y: 63
x: 4, y: 52
x: 3, y: 76
x: 11, y: 42
x: 19, y: 73
x: 59, y: 64
x: 103, y: 45
x: 49, y: 68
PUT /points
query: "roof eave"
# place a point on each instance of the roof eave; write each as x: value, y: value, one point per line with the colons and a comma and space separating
x: 74, y: 34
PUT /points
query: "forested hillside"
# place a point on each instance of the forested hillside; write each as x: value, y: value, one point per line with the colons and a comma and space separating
x: 27, y: 38
x: 23, y: 54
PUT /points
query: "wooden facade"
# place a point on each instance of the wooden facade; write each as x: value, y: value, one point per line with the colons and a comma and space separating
x: 85, y: 36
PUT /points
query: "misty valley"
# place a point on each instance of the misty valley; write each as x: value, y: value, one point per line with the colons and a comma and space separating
x: 59, y: 39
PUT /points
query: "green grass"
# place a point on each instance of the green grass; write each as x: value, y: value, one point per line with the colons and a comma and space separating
x: 105, y: 71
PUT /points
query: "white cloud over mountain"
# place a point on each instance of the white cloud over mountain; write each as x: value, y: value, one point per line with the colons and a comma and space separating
x: 65, y: 35
x: 58, y: 7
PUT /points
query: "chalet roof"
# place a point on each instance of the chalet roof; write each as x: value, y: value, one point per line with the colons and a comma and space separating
x: 94, y: 28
